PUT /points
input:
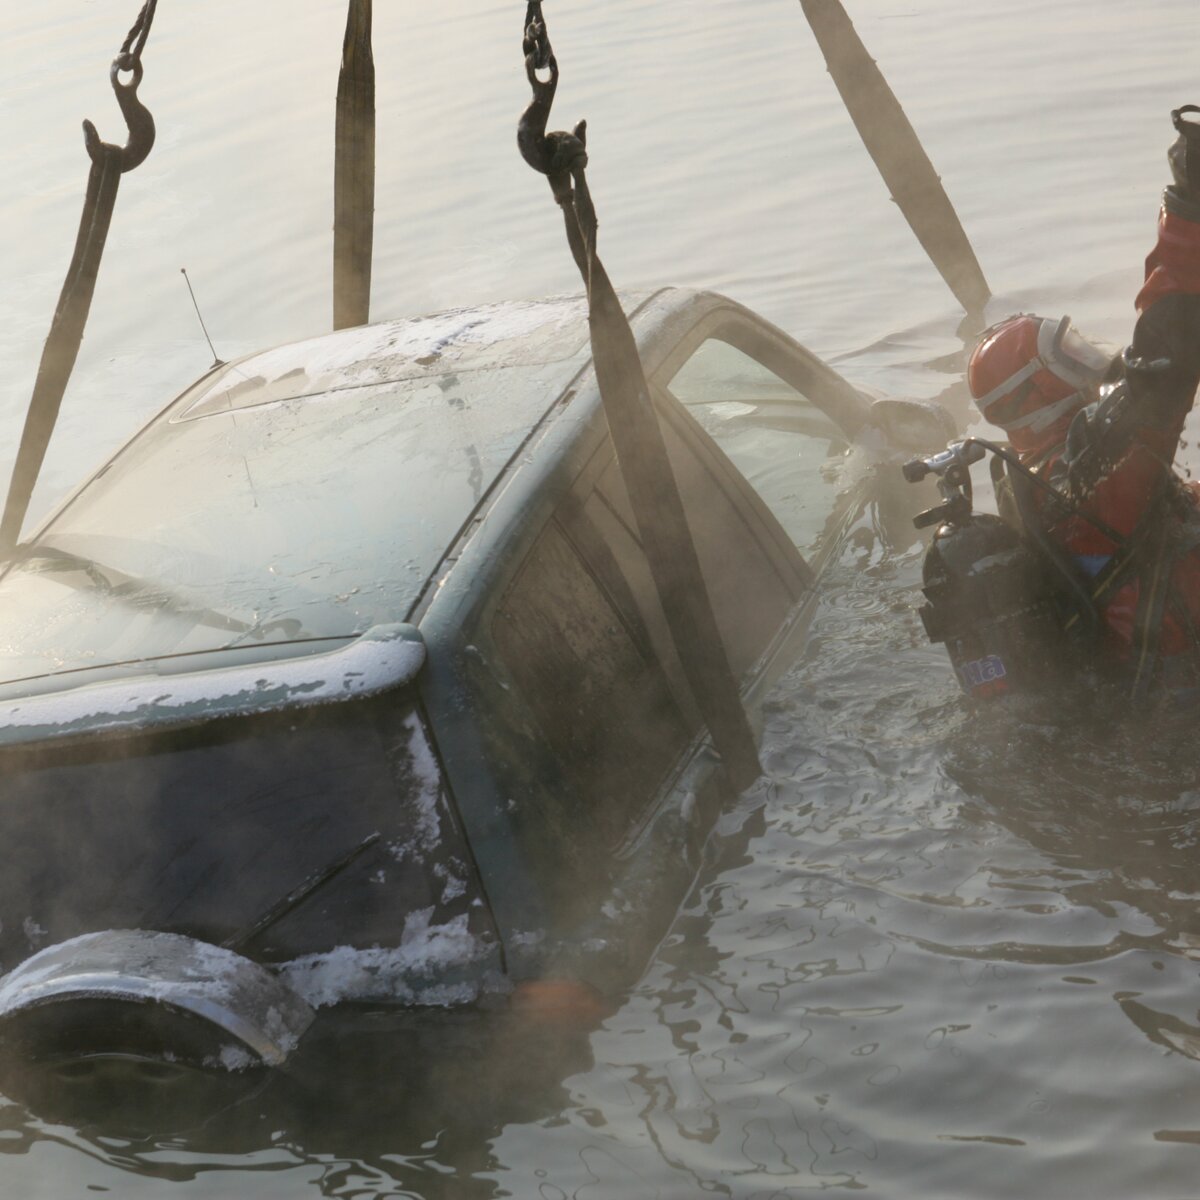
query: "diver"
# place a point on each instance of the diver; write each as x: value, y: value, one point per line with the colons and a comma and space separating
x: 1090, y: 482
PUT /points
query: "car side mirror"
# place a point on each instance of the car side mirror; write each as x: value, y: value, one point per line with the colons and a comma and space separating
x: 913, y: 424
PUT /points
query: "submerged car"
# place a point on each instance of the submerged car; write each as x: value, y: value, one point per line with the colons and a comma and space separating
x: 346, y: 679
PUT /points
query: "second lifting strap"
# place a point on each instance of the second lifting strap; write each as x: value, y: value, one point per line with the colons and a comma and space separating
x: 637, y: 438
x: 109, y: 163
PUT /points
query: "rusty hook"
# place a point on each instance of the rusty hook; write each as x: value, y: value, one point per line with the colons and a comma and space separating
x: 137, y: 117
x: 552, y: 154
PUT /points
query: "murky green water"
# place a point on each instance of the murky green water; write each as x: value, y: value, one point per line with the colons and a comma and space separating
x: 927, y: 960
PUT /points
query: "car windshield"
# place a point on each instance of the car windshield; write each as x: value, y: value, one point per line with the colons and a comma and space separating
x: 309, y: 517
x: 791, y: 453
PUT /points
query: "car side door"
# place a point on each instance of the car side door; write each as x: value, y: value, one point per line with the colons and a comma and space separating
x: 592, y: 674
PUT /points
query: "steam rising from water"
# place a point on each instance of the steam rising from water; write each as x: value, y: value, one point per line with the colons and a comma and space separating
x: 936, y: 960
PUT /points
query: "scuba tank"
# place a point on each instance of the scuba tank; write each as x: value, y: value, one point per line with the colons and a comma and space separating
x: 989, y: 596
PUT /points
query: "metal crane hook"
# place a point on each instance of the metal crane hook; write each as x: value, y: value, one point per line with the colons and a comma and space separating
x: 109, y: 163
x: 553, y: 154
x: 137, y: 118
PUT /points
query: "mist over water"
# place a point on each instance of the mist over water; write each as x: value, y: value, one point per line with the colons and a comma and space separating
x: 926, y: 958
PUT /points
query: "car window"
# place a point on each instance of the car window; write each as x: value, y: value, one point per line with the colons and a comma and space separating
x: 231, y: 821
x: 584, y: 640
x: 785, y: 446
x: 752, y: 583
x: 587, y: 675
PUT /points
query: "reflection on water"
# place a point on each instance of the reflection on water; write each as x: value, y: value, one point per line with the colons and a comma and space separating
x: 929, y: 957
x: 373, y: 1103
x: 1117, y: 807
x: 943, y: 967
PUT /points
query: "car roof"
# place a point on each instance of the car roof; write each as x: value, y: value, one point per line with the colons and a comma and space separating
x: 492, y: 337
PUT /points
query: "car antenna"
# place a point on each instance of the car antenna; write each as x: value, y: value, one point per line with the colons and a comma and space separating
x: 218, y: 361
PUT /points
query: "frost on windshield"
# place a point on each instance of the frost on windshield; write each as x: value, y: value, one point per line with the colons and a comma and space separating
x: 307, y: 518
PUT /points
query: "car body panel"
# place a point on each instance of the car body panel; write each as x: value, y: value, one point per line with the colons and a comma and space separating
x: 384, y: 658
x: 206, y: 830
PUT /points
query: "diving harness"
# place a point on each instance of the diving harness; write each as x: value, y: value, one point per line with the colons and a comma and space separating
x: 1015, y: 612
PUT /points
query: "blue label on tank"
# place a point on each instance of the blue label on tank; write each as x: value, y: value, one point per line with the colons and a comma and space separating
x: 980, y: 671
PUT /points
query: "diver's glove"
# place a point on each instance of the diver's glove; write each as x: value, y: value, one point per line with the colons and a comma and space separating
x: 1182, y: 198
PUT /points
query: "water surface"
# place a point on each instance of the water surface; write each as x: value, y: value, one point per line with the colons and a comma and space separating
x: 926, y: 959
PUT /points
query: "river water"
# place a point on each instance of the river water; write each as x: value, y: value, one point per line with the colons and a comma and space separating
x: 926, y: 959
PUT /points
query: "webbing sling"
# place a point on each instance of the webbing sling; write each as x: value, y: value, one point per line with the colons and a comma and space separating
x: 633, y: 424
x: 109, y: 163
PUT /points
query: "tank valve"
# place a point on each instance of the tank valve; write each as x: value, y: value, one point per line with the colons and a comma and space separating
x: 952, y: 466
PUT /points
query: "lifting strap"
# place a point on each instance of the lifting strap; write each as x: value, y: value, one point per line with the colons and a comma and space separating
x: 897, y: 152
x: 354, y: 172
x: 109, y: 163
x: 633, y: 424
